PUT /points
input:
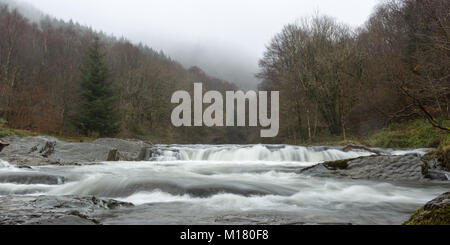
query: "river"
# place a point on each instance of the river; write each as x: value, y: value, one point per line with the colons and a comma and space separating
x: 228, y: 184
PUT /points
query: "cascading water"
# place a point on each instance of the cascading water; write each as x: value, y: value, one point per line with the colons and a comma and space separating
x: 238, y: 153
x: 4, y: 164
x: 241, y: 183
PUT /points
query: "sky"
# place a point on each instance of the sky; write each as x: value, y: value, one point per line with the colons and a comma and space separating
x: 226, y: 38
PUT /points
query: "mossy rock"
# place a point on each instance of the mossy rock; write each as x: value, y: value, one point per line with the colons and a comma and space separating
x: 339, y: 164
x: 435, y: 212
x: 443, y: 156
x: 432, y: 154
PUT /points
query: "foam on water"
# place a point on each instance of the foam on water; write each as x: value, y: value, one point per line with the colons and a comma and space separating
x: 164, y: 182
x: 419, y: 152
x: 5, y: 164
x: 229, y: 178
x: 325, y: 196
x: 238, y: 153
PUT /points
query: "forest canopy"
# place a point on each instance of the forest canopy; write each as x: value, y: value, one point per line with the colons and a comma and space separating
x: 339, y: 80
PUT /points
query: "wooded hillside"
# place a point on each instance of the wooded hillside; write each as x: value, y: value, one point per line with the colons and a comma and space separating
x: 339, y: 81
x: 40, y: 77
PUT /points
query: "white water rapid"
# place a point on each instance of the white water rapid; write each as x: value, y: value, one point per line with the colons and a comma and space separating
x: 196, y: 184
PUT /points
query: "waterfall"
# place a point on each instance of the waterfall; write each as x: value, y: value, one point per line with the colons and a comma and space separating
x: 234, y: 153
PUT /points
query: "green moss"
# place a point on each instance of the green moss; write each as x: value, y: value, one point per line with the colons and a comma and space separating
x: 410, y: 134
x: 418, y: 133
x: 435, y: 216
x: 339, y: 164
x: 430, y: 155
x: 443, y: 156
x: 9, y: 132
x: 4, y: 132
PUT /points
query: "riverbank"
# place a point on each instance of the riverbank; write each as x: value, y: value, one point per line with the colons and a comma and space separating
x: 45, y: 150
x: 410, y: 134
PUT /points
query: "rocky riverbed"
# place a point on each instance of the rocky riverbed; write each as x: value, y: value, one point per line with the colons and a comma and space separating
x: 111, y: 181
x: 55, y: 210
x: 43, y: 150
x: 409, y: 167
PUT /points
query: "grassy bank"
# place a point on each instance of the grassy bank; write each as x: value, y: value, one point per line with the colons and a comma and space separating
x: 10, y: 132
x: 410, y: 134
x: 4, y: 132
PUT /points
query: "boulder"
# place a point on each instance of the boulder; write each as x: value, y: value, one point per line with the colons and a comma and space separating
x: 436, y: 164
x: 435, y: 212
x: 65, y: 210
x: 391, y: 168
x: 30, y: 178
x: 128, y: 150
x: 26, y: 151
x: 42, y: 150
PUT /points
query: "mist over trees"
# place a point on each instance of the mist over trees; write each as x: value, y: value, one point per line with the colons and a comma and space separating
x: 41, y: 78
x: 335, y: 79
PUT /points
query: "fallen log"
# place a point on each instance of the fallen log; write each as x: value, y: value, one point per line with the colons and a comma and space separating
x: 3, y: 145
x: 360, y: 147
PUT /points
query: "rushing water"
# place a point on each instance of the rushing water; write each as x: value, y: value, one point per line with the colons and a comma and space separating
x: 228, y: 184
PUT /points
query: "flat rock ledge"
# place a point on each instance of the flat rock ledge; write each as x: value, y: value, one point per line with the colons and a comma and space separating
x: 388, y: 168
x: 43, y: 150
x: 55, y: 210
x: 435, y: 212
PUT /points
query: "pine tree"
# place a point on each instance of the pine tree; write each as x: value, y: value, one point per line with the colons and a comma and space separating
x: 96, y: 115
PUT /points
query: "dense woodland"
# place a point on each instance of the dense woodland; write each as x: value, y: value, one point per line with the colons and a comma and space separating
x: 342, y: 81
x: 333, y: 80
x: 41, y: 79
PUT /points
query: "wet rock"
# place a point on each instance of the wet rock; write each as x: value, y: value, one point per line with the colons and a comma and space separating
x: 30, y: 178
x: 434, y: 167
x: 72, y: 153
x: 25, y: 151
x: 41, y: 150
x: 339, y: 164
x: 153, y: 153
x: 156, y: 152
x: 360, y: 147
x: 3, y: 145
x: 48, y: 149
x: 435, y: 212
x: 109, y: 203
x: 130, y: 150
x: 113, y: 155
x: 55, y: 210
x: 392, y: 168
x: 70, y: 219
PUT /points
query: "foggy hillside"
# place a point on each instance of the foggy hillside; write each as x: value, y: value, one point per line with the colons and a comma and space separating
x: 26, y: 9
x: 216, y: 60
x: 224, y: 38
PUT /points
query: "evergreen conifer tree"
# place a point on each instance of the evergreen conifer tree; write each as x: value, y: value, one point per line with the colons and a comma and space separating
x: 96, y: 115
